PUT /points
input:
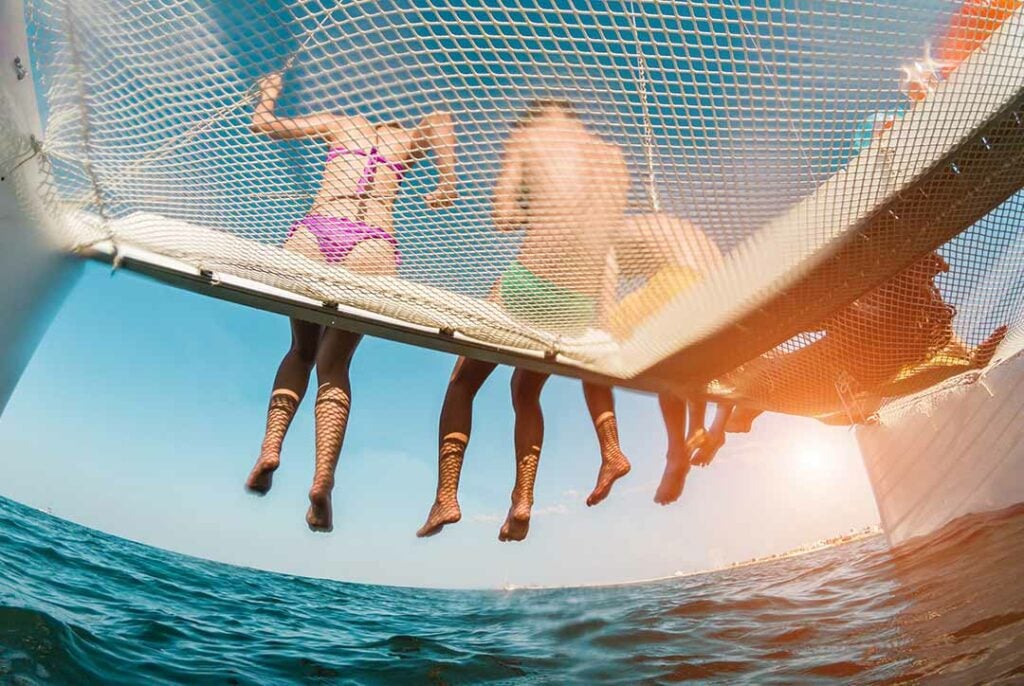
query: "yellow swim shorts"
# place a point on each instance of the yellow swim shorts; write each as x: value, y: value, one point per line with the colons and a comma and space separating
x: 642, y: 303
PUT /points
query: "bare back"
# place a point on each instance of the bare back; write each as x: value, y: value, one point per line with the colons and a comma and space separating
x: 363, y: 170
x: 574, y: 187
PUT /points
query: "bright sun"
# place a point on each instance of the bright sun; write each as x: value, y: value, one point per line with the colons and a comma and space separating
x: 814, y: 459
x: 809, y: 456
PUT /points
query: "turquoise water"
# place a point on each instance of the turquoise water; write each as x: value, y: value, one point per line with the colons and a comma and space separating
x: 78, y: 606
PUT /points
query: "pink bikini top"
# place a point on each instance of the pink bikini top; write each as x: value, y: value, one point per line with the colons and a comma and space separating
x: 373, y: 161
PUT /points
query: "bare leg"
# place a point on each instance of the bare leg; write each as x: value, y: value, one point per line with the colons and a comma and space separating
x: 375, y: 257
x: 526, y: 388
x: 304, y: 243
x: 453, y: 437
x: 716, y: 436
x: 333, y: 400
x: 289, y: 387
x: 614, y: 464
x: 697, y: 434
x: 677, y: 459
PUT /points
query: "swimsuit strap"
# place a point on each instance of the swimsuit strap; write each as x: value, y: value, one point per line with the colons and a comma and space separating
x: 373, y: 160
x: 369, y: 167
x: 342, y: 150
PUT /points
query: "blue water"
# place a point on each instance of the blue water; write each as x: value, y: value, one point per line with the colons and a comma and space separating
x: 78, y: 606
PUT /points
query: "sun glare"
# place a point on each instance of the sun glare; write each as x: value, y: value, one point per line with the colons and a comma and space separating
x: 813, y: 459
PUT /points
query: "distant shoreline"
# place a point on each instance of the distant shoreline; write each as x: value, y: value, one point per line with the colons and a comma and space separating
x: 806, y: 549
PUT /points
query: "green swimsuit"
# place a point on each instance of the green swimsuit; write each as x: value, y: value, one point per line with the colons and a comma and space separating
x: 535, y: 299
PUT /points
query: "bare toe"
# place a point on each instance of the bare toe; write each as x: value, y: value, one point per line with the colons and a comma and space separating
x: 261, y: 478
x: 672, y: 480
x: 440, y: 515
x: 611, y: 472
x: 320, y: 517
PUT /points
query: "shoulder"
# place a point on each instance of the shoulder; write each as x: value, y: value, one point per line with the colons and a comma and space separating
x: 519, y: 136
x: 612, y: 151
x: 611, y: 158
x: 516, y: 144
x: 397, y: 138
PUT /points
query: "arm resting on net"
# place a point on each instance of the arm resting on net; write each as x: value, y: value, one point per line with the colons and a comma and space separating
x: 437, y: 132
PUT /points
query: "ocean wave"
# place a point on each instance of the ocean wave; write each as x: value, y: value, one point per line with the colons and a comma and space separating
x: 79, y: 607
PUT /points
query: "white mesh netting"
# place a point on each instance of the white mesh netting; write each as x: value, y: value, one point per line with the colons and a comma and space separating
x: 723, y: 150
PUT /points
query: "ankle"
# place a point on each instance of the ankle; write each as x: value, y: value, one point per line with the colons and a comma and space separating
x: 520, y: 497
x: 270, y: 456
x: 320, y: 489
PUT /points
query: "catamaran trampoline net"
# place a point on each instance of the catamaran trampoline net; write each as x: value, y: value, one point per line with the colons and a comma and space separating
x: 720, y: 149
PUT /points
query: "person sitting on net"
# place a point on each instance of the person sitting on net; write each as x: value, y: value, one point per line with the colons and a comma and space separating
x: 566, y: 189
x: 896, y: 340
x: 350, y: 225
x: 669, y: 255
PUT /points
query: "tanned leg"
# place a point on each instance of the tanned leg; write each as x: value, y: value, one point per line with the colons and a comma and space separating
x: 333, y: 400
x: 289, y: 387
x: 453, y: 437
x: 614, y: 464
x: 677, y: 459
x: 716, y: 436
x: 526, y: 388
x: 696, y: 434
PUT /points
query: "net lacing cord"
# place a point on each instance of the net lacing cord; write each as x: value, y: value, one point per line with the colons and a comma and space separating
x: 13, y: 164
x: 83, y: 114
x: 643, y: 79
x: 189, y: 134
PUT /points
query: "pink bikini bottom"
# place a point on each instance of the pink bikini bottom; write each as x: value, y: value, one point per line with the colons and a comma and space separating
x: 337, y: 236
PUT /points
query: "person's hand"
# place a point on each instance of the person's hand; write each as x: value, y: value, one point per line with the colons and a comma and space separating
x: 443, y: 196
x: 270, y: 86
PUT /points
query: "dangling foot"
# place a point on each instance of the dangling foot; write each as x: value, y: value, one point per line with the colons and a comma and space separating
x: 986, y: 350
x: 677, y: 466
x: 614, y: 464
x: 706, y: 453
x: 742, y: 420
x: 613, y: 468
x: 283, y: 404
x: 261, y: 478
x: 441, y: 514
x: 517, y: 523
x: 320, y: 516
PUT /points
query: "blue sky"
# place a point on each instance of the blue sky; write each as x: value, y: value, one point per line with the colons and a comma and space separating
x: 142, y: 412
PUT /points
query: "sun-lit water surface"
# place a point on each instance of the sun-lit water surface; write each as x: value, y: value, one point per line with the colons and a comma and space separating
x: 79, y: 606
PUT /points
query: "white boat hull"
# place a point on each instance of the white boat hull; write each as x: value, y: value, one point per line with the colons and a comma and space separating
x: 33, y: 273
x: 959, y: 452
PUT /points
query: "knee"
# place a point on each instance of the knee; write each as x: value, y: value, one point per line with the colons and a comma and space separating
x: 303, y: 355
x: 467, y: 378
x: 332, y: 368
x: 525, y: 392
x: 460, y: 389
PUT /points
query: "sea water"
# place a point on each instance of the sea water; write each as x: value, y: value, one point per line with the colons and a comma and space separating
x: 78, y: 606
